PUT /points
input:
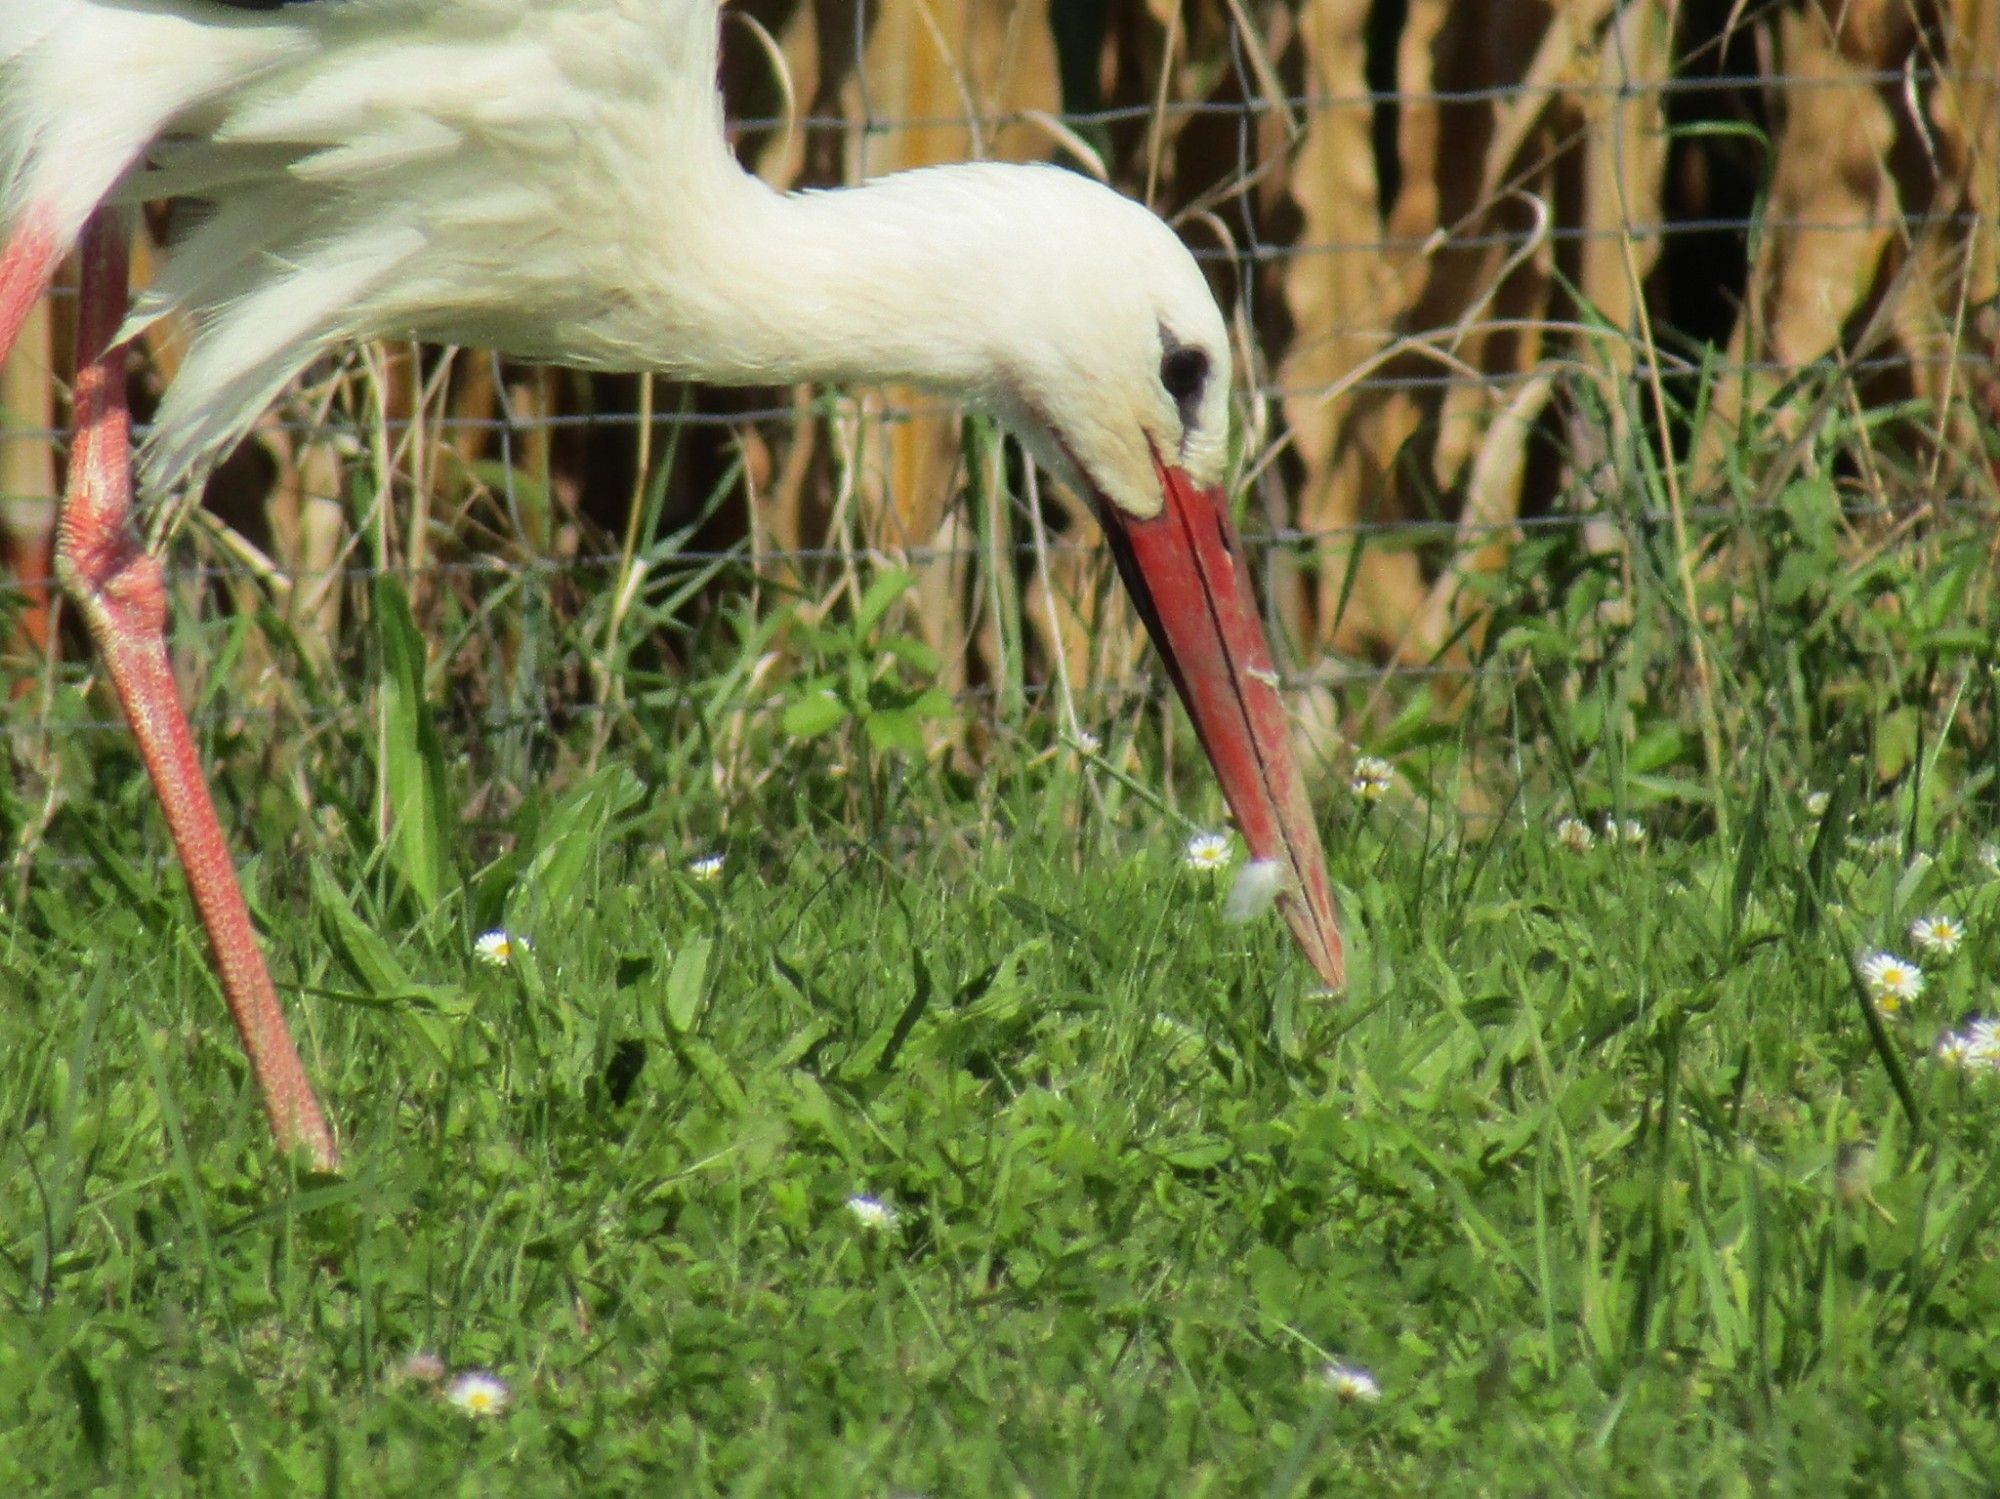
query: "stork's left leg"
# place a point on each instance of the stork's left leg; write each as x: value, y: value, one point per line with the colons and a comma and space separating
x: 26, y: 267
x: 27, y: 475
x: 121, y: 590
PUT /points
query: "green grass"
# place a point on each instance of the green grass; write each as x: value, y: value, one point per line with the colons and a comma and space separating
x: 1562, y: 1172
x: 1605, y: 1168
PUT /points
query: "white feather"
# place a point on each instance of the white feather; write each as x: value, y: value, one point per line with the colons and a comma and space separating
x: 262, y: 343
x: 550, y: 178
x: 89, y: 85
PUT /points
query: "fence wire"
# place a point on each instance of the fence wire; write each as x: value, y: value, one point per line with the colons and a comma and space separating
x: 901, y: 413
x: 1250, y: 256
x: 1630, y: 526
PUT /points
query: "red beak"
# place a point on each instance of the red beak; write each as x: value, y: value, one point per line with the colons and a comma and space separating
x: 1185, y: 570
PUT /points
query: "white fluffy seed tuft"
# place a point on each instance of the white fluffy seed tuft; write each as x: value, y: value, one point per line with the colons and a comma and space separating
x: 1257, y: 885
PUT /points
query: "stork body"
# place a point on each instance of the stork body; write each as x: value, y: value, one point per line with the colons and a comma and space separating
x: 550, y: 178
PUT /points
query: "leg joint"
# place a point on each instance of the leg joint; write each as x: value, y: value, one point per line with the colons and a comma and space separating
x: 113, y: 579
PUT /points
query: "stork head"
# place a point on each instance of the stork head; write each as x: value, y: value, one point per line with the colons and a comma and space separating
x: 1114, y: 365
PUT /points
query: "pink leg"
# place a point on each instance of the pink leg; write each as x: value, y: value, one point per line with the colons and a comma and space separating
x: 121, y: 590
x: 26, y: 267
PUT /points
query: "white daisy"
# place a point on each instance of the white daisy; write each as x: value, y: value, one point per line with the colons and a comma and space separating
x: 1373, y: 777
x: 1954, y: 1049
x: 1893, y: 981
x: 872, y: 1212
x: 478, y: 1393
x: 1352, y: 1382
x: 1816, y: 803
x: 1976, y: 1048
x: 707, y: 867
x: 1982, y: 1039
x: 496, y: 948
x: 1087, y: 742
x: 1937, y: 935
x: 1573, y: 833
x: 1208, y: 851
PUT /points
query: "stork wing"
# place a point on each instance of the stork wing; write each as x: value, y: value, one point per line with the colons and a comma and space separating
x: 467, y: 170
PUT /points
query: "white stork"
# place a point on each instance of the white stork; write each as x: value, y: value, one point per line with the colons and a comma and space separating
x: 549, y: 178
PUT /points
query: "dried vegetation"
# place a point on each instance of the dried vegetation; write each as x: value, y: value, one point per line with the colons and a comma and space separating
x: 1492, y: 262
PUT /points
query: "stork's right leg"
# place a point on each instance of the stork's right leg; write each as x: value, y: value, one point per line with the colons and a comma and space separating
x: 121, y: 590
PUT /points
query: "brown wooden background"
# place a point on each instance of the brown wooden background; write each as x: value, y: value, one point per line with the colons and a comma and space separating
x: 1479, y: 253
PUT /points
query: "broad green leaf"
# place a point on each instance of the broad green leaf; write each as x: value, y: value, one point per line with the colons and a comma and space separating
x: 707, y: 1064
x: 1810, y: 505
x: 367, y: 956
x: 889, y: 585
x: 895, y: 728
x: 684, y: 985
x: 813, y: 714
x: 913, y: 653
x: 574, y: 833
x: 1895, y: 742
x: 1197, y: 1152
x: 413, y: 758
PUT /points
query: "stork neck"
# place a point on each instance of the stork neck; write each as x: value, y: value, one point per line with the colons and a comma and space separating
x: 892, y: 280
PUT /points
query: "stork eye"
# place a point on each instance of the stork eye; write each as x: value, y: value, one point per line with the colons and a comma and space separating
x: 1184, y: 371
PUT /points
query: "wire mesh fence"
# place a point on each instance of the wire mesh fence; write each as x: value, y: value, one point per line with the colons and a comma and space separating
x: 1596, y: 269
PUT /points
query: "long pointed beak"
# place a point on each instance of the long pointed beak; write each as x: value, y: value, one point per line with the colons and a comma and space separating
x: 1185, y: 570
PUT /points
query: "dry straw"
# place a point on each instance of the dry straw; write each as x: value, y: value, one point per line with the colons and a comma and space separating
x: 1490, y: 264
